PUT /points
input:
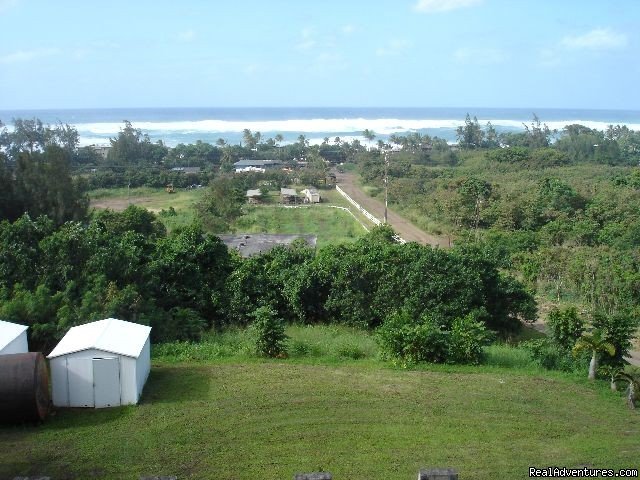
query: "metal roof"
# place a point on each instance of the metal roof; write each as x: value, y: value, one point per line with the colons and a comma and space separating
x: 110, y: 335
x: 255, y: 163
x: 291, y: 192
x: 254, y: 193
x: 9, y: 332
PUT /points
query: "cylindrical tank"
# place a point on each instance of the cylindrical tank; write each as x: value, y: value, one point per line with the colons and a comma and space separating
x: 24, y: 388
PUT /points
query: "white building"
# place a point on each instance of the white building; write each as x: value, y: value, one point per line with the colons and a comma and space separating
x: 100, y: 364
x: 311, y: 195
x: 13, y: 338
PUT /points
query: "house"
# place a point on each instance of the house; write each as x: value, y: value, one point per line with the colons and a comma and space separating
x: 311, y: 195
x: 288, y: 195
x: 101, y: 364
x: 254, y: 196
x: 255, y: 165
x: 102, y: 150
x: 13, y: 338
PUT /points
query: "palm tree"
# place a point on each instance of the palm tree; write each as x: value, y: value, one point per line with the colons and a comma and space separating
x: 633, y: 391
x: 221, y: 142
x: 279, y: 138
x: 369, y: 134
x: 595, y: 343
x: 337, y: 140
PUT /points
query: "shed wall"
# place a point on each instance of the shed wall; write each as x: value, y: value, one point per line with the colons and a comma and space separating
x: 143, y: 366
x: 17, y: 345
x: 129, y: 392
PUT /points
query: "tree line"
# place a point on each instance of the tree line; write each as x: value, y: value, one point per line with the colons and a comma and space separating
x: 183, y: 283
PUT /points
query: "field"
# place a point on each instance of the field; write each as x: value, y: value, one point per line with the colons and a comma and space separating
x: 330, y: 224
x: 234, y: 416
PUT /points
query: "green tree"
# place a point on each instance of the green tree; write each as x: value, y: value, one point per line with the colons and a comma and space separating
x: 470, y: 135
x: 269, y: 332
x: 594, y: 343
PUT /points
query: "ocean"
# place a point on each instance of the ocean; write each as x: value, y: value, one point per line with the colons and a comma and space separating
x: 188, y: 125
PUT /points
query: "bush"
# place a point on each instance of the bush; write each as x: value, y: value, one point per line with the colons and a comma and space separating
x: 565, y: 327
x: 268, y: 332
x: 410, y: 341
x: 467, y: 338
x: 551, y: 356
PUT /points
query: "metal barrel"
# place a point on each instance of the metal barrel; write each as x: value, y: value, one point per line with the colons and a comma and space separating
x: 24, y: 388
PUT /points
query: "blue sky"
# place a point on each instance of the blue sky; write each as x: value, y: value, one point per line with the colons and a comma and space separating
x: 423, y: 53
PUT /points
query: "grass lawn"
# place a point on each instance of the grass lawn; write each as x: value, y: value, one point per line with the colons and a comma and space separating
x: 331, y: 225
x: 238, y: 417
x: 328, y: 223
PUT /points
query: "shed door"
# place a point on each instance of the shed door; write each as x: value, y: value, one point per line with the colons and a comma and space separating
x: 106, y: 382
x: 80, y: 382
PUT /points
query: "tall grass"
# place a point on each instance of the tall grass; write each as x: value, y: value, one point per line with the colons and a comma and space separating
x: 326, y: 343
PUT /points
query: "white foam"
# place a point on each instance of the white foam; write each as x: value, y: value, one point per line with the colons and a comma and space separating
x: 381, y: 126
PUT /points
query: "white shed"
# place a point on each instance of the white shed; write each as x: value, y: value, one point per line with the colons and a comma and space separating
x: 100, y: 364
x: 13, y: 338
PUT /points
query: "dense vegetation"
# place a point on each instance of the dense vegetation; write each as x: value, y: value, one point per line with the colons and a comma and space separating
x: 558, y: 211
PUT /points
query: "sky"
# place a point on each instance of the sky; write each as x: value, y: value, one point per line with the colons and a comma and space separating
x: 358, y: 53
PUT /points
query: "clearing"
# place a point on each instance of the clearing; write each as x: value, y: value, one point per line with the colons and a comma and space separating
x: 271, y: 419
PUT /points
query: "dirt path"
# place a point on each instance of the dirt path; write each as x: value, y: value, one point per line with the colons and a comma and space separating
x: 402, y: 226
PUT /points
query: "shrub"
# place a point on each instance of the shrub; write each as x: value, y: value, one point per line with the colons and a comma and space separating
x: 403, y: 338
x: 467, y: 338
x: 551, y: 356
x: 268, y: 332
x: 565, y: 327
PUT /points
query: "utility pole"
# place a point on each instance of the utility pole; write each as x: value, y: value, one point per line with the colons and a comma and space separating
x: 386, y: 181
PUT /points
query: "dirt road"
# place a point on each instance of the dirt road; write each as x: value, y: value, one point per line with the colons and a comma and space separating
x: 404, y: 228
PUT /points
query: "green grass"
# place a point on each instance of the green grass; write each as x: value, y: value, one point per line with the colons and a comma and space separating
x: 154, y: 199
x: 270, y: 419
x: 331, y: 225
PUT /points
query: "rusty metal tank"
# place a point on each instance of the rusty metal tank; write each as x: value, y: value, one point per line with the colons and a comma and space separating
x: 24, y: 388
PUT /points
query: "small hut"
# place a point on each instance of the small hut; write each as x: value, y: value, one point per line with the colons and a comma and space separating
x: 101, y: 364
x: 288, y: 195
x: 13, y: 338
x: 254, y: 196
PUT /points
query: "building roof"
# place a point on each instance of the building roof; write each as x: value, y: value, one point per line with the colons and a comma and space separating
x: 255, y: 163
x: 186, y: 169
x: 291, y: 192
x: 110, y: 335
x: 248, y: 244
x: 9, y: 332
x: 254, y: 193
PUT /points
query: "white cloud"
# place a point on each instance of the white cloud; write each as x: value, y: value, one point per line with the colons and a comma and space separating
x: 393, y: 48
x: 23, y: 56
x: 187, y: 36
x: 480, y: 56
x: 435, y: 6
x: 597, y: 39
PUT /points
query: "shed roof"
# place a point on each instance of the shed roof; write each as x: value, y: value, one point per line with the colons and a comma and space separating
x: 9, y: 332
x: 110, y: 335
x: 255, y: 163
x: 254, y: 193
x: 290, y: 192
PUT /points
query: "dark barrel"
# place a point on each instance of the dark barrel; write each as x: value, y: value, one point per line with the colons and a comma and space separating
x: 24, y: 388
